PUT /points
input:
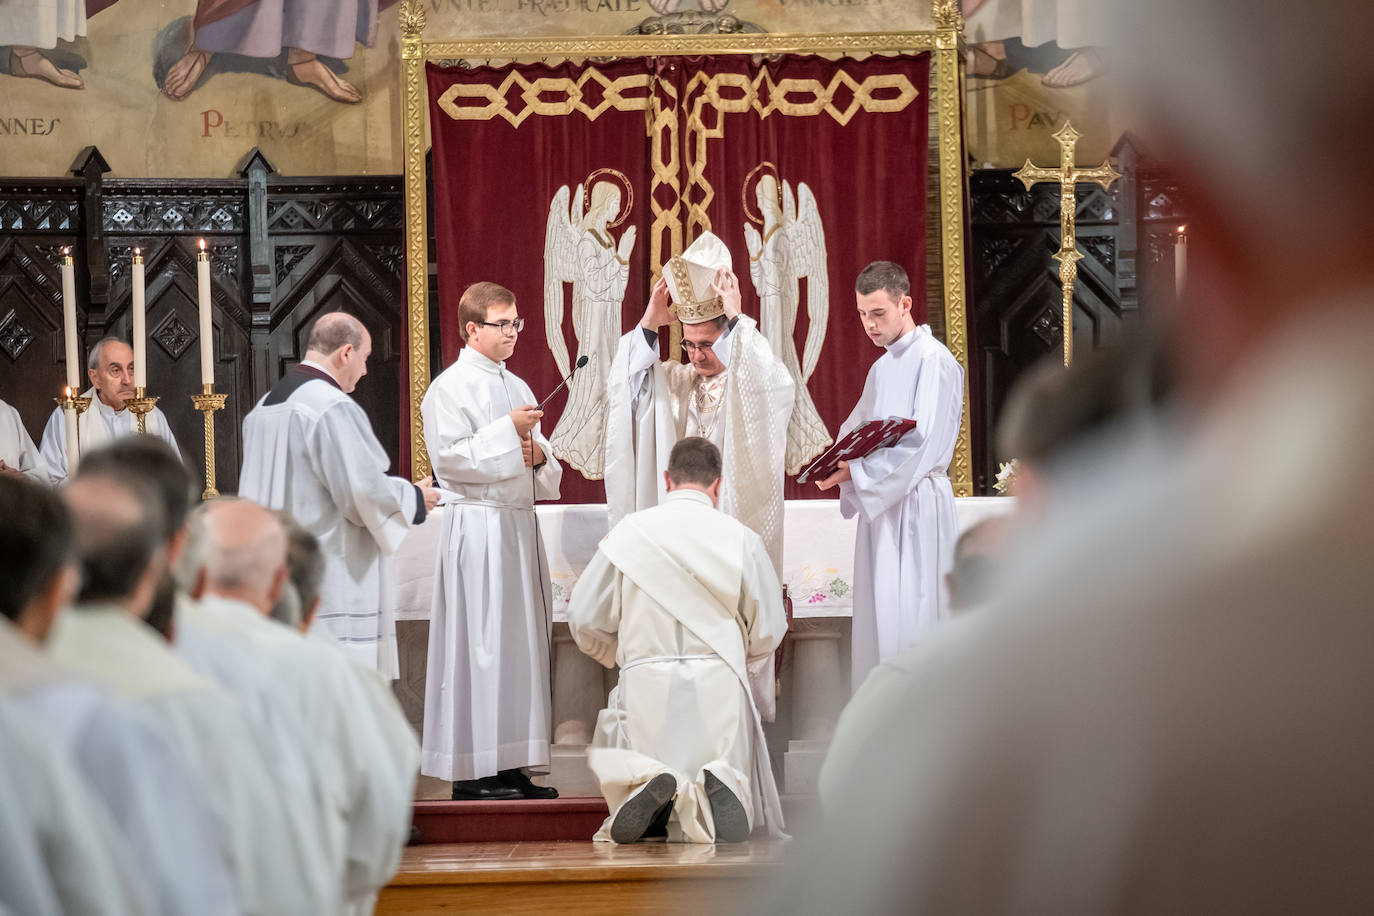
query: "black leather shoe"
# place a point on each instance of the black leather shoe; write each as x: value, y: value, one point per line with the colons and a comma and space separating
x: 642, y: 809
x: 520, y: 782
x: 488, y: 788
x: 729, y: 816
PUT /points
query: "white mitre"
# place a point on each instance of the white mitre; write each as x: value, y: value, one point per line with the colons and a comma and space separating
x: 690, y: 276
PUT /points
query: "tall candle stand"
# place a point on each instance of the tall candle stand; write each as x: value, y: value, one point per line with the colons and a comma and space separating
x: 141, y: 405
x: 207, y: 402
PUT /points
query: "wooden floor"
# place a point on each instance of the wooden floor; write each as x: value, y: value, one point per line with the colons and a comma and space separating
x: 583, y: 877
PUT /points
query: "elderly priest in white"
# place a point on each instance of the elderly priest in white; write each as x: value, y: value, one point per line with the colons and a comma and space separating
x: 487, y: 700
x: 118, y: 527
x: 110, y: 367
x: 134, y: 772
x: 309, y: 449
x: 902, y: 495
x: 682, y: 597
x: 735, y: 392
x: 19, y: 456
x: 361, y: 777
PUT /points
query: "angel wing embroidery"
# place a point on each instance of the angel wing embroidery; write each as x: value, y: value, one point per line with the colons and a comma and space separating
x: 791, y: 246
x: 580, y: 249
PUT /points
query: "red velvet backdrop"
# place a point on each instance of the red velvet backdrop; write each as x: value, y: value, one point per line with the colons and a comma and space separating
x: 690, y: 136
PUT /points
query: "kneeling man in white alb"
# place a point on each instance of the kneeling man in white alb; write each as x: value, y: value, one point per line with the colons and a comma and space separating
x: 682, y: 597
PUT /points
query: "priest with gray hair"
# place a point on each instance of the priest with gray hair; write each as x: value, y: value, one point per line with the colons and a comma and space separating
x: 110, y: 368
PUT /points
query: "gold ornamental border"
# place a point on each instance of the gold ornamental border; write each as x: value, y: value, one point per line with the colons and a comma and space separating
x: 946, y: 42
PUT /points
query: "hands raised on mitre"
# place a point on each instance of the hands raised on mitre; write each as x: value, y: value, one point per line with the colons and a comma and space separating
x: 656, y: 312
x: 726, y: 286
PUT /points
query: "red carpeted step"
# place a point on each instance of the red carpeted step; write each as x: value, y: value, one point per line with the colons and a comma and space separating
x: 493, y: 821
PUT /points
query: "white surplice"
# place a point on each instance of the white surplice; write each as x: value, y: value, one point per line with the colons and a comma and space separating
x: 17, y: 448
x: 328, y: 722
x: 487, y: 700
x: 255, y: 818
x: 907, y: 527
x: 314, y: 455
x: 99, y: 424
x: 651, y: 405
x: 60, y: 854
x: 681, y: 597
x: 143, y: 781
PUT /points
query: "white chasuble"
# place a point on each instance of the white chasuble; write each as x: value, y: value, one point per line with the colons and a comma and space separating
x: 17, y: 448
x: 682, y: 597
x: 99, y: 424
x: 651, y: 404
x: 309, y: 449
x: 487, y: 699
x: 907, y: 527
x: 260, y: 826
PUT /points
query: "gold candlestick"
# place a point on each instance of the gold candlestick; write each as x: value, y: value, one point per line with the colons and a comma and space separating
x: 72, y: 408
x: 141, y: 404
x: 207, y: 402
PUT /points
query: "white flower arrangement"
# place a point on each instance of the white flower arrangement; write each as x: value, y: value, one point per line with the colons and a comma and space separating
x: 1006, y: 477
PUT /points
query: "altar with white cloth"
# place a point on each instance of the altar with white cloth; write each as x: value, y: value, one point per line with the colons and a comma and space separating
x: 818, y: 568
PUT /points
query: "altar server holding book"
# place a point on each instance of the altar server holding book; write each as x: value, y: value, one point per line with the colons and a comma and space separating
x: 902, y: 495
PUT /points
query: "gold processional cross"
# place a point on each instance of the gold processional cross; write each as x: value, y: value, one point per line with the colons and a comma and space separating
x: 1068, y: 176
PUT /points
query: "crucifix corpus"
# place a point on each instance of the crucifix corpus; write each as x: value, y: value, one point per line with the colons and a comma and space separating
x: 1068, y: 175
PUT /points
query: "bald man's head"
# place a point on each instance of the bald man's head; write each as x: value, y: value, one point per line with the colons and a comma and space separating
x: 341, y: 344
x: 118, y: 526
x: 241, y: 549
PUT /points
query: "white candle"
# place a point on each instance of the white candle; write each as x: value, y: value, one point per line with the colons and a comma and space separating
x: 1181, y: 262
x: 140, y: 324
x: 69, y: 319
x: 207, y: 348
x: 73, y: 449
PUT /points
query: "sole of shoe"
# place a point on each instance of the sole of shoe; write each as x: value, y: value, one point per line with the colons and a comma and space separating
x: 635, y: 816
x: 731, y: 820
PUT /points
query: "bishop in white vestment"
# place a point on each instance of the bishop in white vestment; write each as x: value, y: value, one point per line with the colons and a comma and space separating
x: 735, y: 393
x: 308, y: 448
x: 682, y: 597
x: 17, y: 450
x: 487, y: 696
x: 111, y: 372
x: 907, y: 527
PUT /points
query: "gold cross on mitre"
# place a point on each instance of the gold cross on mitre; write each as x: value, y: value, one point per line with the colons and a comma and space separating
x: 1068, y: 176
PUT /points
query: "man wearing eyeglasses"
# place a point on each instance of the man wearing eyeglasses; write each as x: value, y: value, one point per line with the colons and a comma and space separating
x: 487, y: 700
x: 733, y: 392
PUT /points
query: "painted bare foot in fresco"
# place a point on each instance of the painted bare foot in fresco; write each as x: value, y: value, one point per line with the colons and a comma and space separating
x: 663, y: 6
x: 1082, y: 66
x: 30, y: 63
x: 304, y: 69
x: 185, y: 73
x: 713, y: 6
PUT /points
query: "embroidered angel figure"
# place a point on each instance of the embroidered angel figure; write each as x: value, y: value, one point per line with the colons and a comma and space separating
x: 580, y: 249
x: 790, y: 246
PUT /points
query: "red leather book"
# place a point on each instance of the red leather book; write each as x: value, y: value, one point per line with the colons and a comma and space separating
x: 862, y: 441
